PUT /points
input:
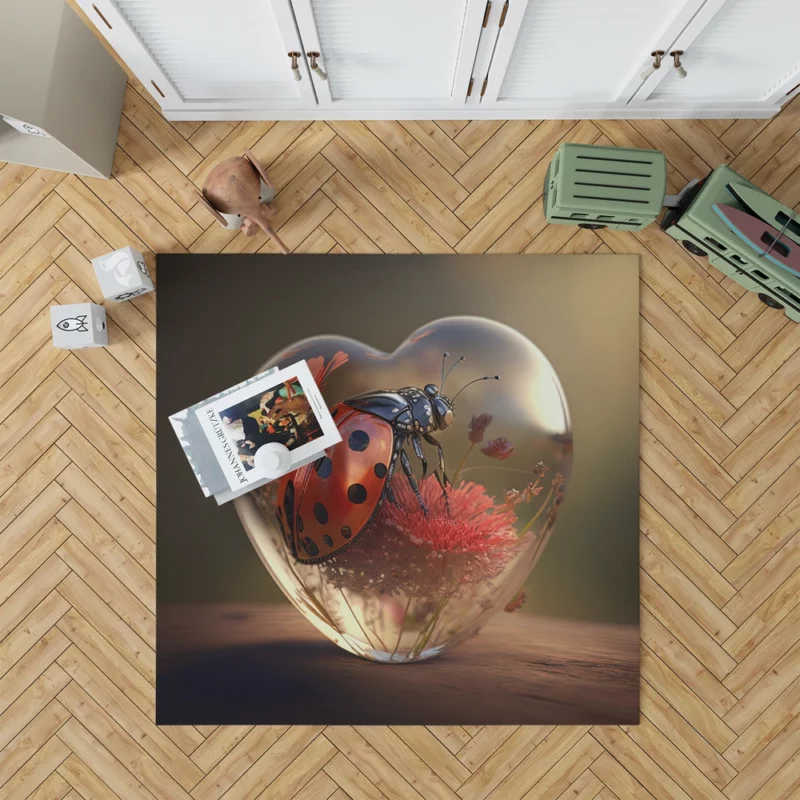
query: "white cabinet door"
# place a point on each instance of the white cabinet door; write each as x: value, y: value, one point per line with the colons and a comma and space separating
x: 390, y: 54
x: 432, y: 59
x: 569, y: 54
x: 735, y: 51
x: 209, y: 54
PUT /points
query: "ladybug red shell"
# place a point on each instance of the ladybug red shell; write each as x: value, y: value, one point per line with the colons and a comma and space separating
x: 323, y: 507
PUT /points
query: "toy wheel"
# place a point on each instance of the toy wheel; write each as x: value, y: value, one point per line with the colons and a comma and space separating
x: 769, y: 301
x: 693, y: 248
x: 592, y: 226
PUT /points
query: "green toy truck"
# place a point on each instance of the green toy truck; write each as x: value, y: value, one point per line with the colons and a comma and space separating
x: 700, y: 230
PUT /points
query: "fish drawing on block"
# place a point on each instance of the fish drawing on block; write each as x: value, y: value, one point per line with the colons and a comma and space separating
x: 77, y: 324
x: 120, y: 264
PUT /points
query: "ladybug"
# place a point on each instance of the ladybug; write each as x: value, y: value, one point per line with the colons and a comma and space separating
x: 324, y: 506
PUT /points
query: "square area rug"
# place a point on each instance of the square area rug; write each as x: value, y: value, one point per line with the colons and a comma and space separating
x: 468, y: 554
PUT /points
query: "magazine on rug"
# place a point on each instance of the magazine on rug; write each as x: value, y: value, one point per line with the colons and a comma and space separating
x: 284, y: 408
x: 232, y: 438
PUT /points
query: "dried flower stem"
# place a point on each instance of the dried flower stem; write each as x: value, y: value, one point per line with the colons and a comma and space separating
x: 463, y: 461
x: 322, y: 612
x: 538, y: 513
x: 402, y: 627
x: 540, y: 543
x: 430, y: 637
x: 425, y: 628
x: 358, y: 622
x: 425, y: 633
x: 529, y: 491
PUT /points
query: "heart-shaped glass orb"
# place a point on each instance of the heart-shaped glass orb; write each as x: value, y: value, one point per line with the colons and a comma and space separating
x: 430, y: 565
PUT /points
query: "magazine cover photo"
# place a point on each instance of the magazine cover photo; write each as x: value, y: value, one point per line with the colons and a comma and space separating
x: 281, y: 413
x: 283, y: 409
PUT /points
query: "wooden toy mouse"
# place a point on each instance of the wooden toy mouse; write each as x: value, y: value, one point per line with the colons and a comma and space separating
x: 233, y: 188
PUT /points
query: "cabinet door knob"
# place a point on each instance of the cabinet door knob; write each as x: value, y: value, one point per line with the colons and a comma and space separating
x: 657, y: 56
x: 295, y: 66
x: 676, y: 57
x: 313, y: 56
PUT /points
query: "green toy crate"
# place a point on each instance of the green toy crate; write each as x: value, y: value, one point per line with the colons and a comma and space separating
x: 598, y: 187
x: 702, y: 232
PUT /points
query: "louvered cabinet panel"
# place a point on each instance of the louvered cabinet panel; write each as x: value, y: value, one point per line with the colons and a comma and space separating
x: 440, y: 59
x: 744, y: 53
x: 212, y: 49
x: 583, y: 51
x: 381, y: 52
x: 206, y: 52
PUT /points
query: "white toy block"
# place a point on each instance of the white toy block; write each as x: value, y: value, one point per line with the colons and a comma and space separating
x: 25, y: 127
x: 78, y: 325
x: 122, y: 274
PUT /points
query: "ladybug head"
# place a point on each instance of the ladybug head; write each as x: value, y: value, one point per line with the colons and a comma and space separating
x: 442, y: 407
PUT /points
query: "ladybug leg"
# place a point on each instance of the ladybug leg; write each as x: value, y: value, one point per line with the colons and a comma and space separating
x: 430, y: 440
x: 390, y: 495
x: 440, y: 473
x: 420, y: 454
x: 398, y: 446
x: 406, y: 464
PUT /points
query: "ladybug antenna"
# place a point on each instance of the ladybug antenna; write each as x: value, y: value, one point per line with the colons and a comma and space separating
x: 444, y: 357
x: 455, y: 364
x: 477, y: 380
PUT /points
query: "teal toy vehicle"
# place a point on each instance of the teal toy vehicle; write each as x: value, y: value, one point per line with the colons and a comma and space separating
x: 696, y: 225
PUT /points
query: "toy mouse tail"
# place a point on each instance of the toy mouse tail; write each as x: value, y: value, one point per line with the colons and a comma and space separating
x: 268, y: 229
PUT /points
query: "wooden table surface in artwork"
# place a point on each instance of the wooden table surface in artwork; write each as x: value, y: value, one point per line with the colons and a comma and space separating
x: 265, y: 664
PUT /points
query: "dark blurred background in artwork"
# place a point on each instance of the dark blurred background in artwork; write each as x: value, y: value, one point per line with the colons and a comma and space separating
x: 581, y: 311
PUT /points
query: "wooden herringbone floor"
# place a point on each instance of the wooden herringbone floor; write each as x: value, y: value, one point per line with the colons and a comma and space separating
x: 720, y: 471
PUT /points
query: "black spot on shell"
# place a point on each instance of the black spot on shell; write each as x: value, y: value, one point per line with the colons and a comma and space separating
x: 356, y: 493
x: 327, y: 539
x: 288, y: 505
x: 324, y: 467
x: 346, y: 532
x: 299, y: 523
x: 311, y: 546
x: 321, y: 513
x: 358, y: 441
x: 380, y: 470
